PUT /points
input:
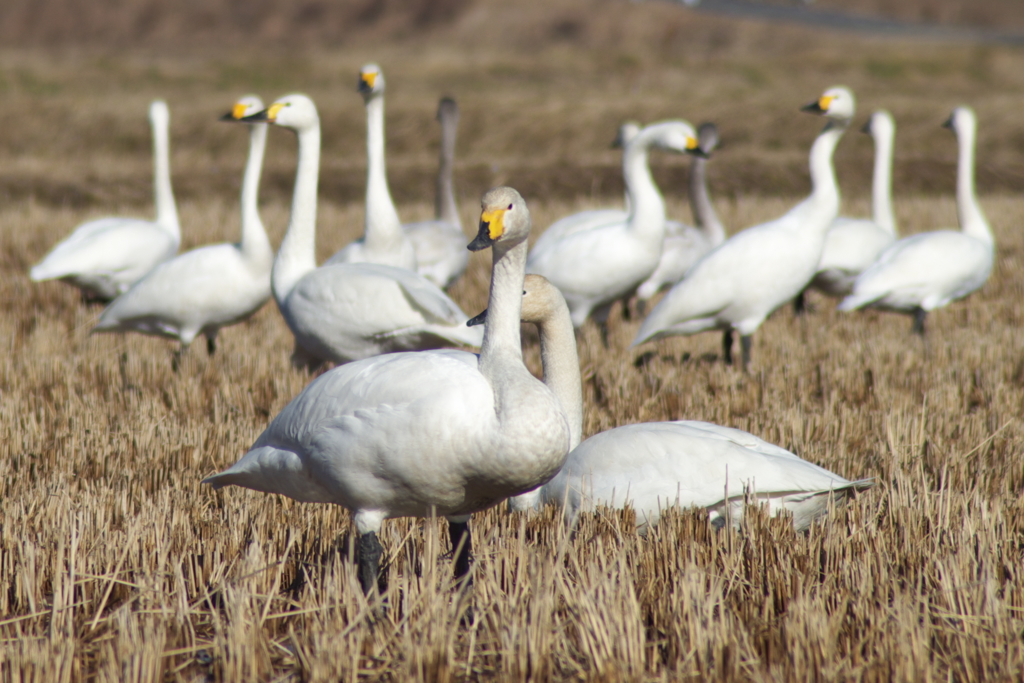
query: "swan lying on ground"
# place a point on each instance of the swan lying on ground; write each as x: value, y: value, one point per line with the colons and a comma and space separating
x: 655, y: 465
x: 106, y: 256
x: 418, y: 434
x: 739, y: 283
x: 211, y: 287
x: 853, y: 244
x: 348, y: 311
x: 594, y: 265
x: 927, y: 271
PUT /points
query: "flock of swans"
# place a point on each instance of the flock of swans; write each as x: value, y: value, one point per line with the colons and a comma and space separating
x: 404, y: 427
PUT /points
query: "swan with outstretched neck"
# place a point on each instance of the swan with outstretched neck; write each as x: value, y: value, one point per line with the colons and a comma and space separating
x: 655, y: 465
x: 440, y: 432
x: 349, y: 311
x: 739, y: 283
x: 202, y: 290
x: 924, y: 272
x: 105, y: 257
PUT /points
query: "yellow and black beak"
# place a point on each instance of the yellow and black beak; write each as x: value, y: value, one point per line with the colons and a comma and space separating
x: 819, y: 106
x: 693, y: 147
x: 866, y: 128
x: 948, y: 123
x: 268, y: 115
x: 237, y: 113
x: 492, y: 227
x: 366, y: 81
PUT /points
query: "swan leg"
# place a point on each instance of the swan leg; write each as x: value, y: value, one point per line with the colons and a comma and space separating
x: 919, y: 316
x: 745, y: 345
x: 727, y: 346
x: 370, y: 551
x: 177, y: 355
x: 462, y: 549
x: 211, y: 344
x: 600, y: 316
x: 799, y: 303
x: 627, y: 314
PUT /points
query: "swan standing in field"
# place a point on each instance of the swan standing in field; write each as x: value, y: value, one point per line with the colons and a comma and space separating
x: 440, y: 244
x: 739, y: 283
x: 595, y: 265
x: 654, y: 465
x: 684, y: 244
x: 106, y: 256
x: 383, y: 239
x: 348, y: 311
x: 418, y: 434
x: 211, y: 287
x: 853, y: 244
x: 927, y: 271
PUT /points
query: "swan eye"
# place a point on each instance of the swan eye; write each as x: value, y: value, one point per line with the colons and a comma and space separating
x: 509, y: 207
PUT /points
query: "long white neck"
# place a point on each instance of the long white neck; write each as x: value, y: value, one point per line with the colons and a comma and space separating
x: 881, y: 185
x: 647, y: 208
x: 972, y: 218
x: 704, y: 214
x: 502, y: 348
x: 562, y: 367
x: 297, y: 255
x: 166, y: 211
x: 255, y: 245
x: 825, y: 193
x: 383, y: 229
x: 445, y: 208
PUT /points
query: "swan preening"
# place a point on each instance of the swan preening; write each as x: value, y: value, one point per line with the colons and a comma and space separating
x: 106, y: 256
x: 740, y: 282
x: 417, y: 434
x: 654, y: 465
x: 595, y: 263
x: 208, y: 288
x: 348, y: 311
x: 853, y: 244
x: 923, y: 272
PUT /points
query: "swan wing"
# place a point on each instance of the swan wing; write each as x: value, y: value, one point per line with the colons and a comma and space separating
x: 441, y: 254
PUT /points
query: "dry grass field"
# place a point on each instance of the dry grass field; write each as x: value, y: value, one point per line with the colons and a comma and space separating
x: 116, y: 565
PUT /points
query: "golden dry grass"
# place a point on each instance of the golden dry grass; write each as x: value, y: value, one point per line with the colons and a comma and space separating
x: 116, y: 565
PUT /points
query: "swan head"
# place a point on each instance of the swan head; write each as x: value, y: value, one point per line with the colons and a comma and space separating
x: 961, y: 120
x: 447, y: 110
x: 880, y: 123
x: 836, y: 103
x: 542, y: 301
x: 627, y: 131
x: 504, y: 219
x: 245, y: 106
x: 371, y: 81
x: 159, y: 114
x: 291, y: 111
x: 671, y: 136
x: 707, y: 136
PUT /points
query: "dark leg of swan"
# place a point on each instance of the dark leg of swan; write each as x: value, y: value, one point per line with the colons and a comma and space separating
x: 745, y: 345
x: 626, y: 313
x: 462, y: 549
x: 600, y: 316
x: 370, y: 551
x: 727, y: 346
x: 800, y: 303
x: 177, y: 356
x: 919, y: 316
x: 211, y: 345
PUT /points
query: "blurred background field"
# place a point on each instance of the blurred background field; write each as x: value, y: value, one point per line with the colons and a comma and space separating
x: 116, y: 565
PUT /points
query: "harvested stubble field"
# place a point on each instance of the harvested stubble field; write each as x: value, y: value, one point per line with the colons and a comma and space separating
x: 116, y: 565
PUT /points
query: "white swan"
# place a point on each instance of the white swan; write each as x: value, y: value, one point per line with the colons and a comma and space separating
x: 440, y: 244
x: 383, y: 240
x: 211, y: 287
x: 106, y: 256
x: 597, y: 264
x: 348, y: 311
x: 684, y: 244
x: 654, y: 465
x: 853, y: 244
x: 418, y: 434
x: 739, y: 283
x: 927, y: 271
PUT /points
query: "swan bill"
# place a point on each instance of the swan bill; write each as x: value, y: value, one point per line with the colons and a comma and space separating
x: 819, y: 106
x: 366, y: 81
x: 948, y: 123
x: 259, y: 116
x: 478, y: 319
x: 492, y: 227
